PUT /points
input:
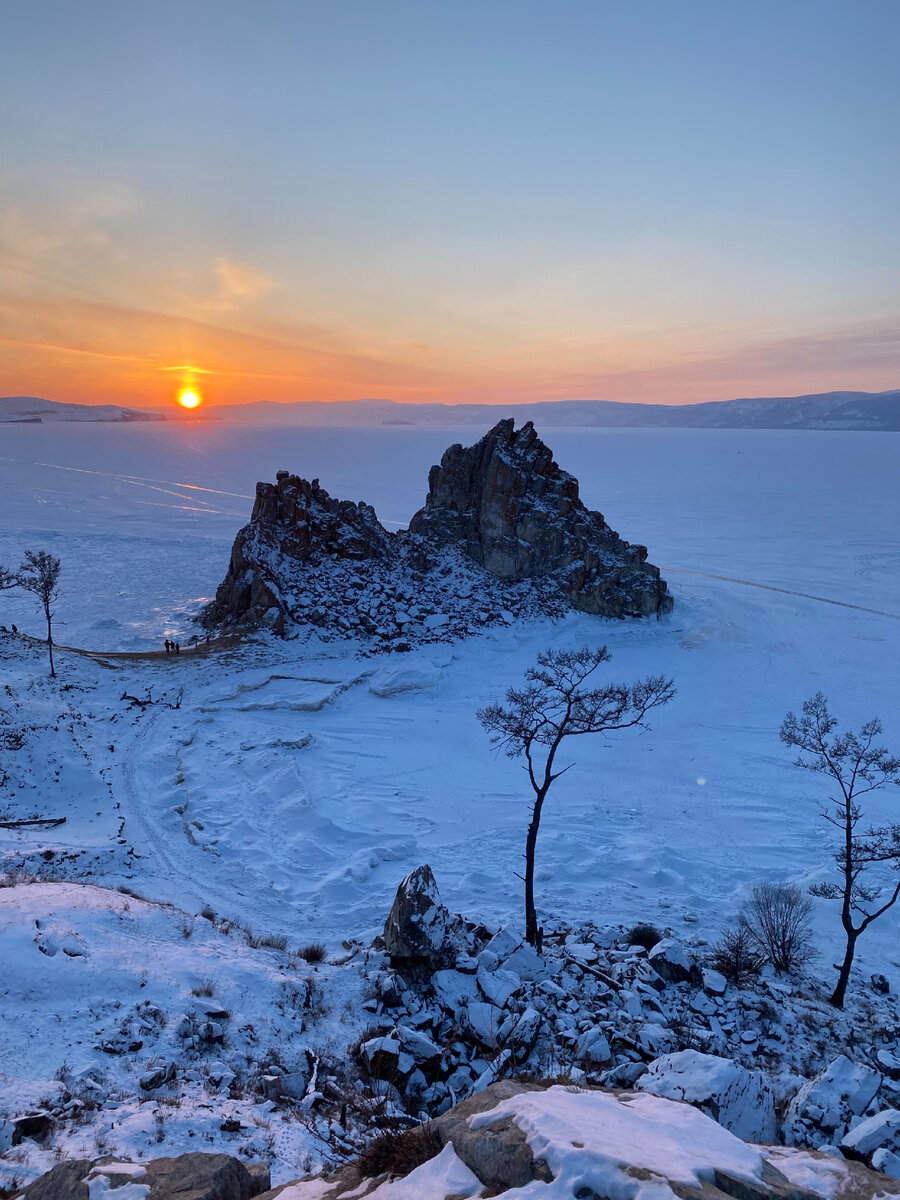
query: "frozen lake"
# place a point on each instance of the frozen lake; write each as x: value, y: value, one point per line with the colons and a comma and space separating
x: 143, y: 516
x: 282, y: 785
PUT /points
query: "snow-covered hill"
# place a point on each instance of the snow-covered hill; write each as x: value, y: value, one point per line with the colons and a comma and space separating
x: 34, y: 410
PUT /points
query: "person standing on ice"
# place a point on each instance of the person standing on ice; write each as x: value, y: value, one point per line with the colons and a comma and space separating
x: 167, y: 645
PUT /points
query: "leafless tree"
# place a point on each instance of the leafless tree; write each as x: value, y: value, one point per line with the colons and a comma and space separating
x: 857, y: 766
x: 552, y: 706
x: 39, y: 574
x: 737, y: 955
x: 777, y: 915
x: 8, y: 579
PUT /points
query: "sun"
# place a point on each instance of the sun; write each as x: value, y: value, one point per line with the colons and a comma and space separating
x: 188, y: 398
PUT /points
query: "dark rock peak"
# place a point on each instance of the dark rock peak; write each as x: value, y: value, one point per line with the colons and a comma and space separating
x: 301, y: 518
x: 519, y: 515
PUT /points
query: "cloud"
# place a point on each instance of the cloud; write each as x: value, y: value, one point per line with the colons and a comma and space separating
x: 80, y: 221
x: 238, y: 282
x: 67, y: 347
x: 863, y: 355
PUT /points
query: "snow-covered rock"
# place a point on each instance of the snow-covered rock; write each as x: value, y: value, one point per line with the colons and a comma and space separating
x: 880, y: 1132
x: 669, y: 959
x: 418, y: 928
x: 742, y: 1101
x: 825, y: 1106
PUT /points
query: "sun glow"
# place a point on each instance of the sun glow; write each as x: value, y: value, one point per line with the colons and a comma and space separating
x: 188, y: 398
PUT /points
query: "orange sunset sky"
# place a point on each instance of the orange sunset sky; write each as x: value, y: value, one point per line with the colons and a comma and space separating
x: 512, y: 201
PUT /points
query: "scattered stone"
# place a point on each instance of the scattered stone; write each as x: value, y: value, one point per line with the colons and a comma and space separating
x: 824, y: 1107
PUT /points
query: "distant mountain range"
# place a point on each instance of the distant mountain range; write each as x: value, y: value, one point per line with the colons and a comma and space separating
x: 828, y: 410
x: 31, y: 410
x: 878, y: 411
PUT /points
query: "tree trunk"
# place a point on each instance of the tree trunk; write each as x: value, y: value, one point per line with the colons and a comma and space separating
x: 50, y: 648
x: 840, y: 991
x: 531, y: 924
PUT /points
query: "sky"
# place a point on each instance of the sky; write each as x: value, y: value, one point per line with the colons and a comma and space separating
x: 483, y: 200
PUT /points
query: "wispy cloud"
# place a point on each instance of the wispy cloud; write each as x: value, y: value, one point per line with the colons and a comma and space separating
x: 863, y: 355
x: 81, y: 220
x: 239, y: 285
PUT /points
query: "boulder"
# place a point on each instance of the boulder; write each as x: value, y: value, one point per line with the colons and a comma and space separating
x: 189, y: 1176
x: 669, y: 959
x: 419, y: 930
x: 825, y: 1105
x: 34, y: 1125
x: 499, y: 1155
x: 740, y: 1100
x: 881, y: 1132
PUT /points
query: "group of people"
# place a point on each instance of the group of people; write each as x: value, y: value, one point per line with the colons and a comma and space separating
x: 175, y: 647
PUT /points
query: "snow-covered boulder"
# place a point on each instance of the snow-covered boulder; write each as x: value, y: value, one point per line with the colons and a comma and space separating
x: 669, y: 959
x: 825, y: 1106
x: 200, y: 1176
x: 740, y: 1100
x: 419, y: 929
x: 881, y: 1132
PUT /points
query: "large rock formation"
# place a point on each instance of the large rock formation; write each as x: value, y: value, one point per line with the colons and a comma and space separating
x: 514, y: 511
x: 502, y: 534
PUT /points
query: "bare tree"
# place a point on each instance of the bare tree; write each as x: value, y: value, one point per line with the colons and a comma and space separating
x: 853, y: 762
x: 554, y: 705
x: 8, y: 579
x: 777, y: 915
x: 39, y: 574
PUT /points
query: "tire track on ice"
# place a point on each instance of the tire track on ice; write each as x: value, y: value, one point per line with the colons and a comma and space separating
x: 769, y: 587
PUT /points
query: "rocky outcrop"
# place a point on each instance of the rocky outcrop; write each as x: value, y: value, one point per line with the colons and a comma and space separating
x: 503, y: 534
x: 522, y: 1138
x: 518, y: 514
x: 297, y: 521
x: 192, y: 1176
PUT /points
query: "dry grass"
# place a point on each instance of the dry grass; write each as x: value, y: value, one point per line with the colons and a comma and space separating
x: 399, y: 1153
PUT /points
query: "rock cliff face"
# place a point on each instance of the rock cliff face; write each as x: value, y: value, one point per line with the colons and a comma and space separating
x: 503, y: 534
x: 515, y: 512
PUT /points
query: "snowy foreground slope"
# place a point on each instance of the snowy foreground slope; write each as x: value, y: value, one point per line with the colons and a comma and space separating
x: 287, y: 788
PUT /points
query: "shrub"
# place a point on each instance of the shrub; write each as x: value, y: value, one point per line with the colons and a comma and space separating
x: 313, y: 952
x: 274, y: 941
x: 644, y: 935
x: 736, y: 954
x: 399, y: 1153
x: 777, y: 916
